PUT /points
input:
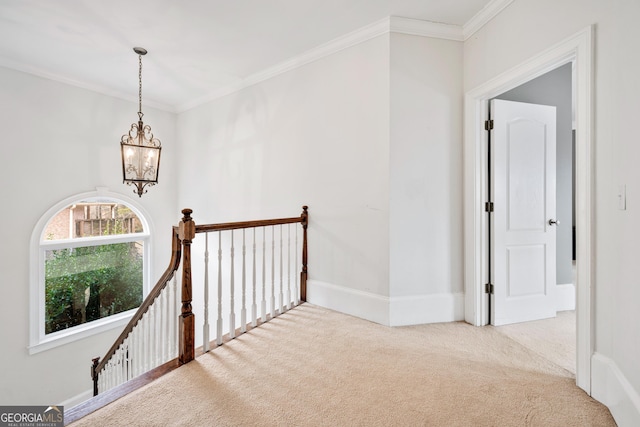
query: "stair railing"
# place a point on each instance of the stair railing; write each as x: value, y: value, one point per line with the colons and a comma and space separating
x: 163, y: 329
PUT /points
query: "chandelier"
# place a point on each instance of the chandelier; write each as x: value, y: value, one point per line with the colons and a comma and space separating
x: 140, y: 149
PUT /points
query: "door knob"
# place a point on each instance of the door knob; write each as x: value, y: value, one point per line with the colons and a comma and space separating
x: 554, y: 222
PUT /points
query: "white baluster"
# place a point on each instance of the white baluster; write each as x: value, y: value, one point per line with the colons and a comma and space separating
x: 101, y: 382
x: 153, y: 325
x: 243, y: 310
x: 140, y: 349
x: 119, y: 366
x: 171, y: 318
x: 288, y: 305
x: 130, y: 359
x: 263, y: 304
x: 123, y: 364
x: 273, y: 272
x: 219, y: 325
x: 147, y: 341
x: 125, y: 355
x: 167, y: 325
x: 116, y: 369
x: 114, y: 373
x: 106, y: 378
x: 254, y: 306
x: 281, y: 274
x: 106, y: 374
x: 111, y: 374
x: 134, y: 350
x: 127, y: 358
x: 158, y: 331
x: 142, y: 335
x: 174, y: 316
x: 205, y: 328
x: 232, y: 315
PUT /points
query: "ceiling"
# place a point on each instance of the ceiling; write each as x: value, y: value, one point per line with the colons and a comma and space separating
x: 196, y: 47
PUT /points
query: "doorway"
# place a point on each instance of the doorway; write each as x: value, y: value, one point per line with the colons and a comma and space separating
x: 545, y: 172
x: 577, y: 49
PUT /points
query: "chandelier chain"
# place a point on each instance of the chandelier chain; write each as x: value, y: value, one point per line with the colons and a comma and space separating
x: 140, y: 87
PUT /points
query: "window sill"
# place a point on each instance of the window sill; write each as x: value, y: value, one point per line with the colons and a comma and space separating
x: 79, y: 332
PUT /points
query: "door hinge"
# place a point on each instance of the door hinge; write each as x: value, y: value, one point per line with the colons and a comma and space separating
x: 488, y: 288
x: 488, y: 124
x: 488, y: 207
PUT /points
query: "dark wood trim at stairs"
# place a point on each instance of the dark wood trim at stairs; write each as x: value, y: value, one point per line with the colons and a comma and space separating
x: 103, y: 399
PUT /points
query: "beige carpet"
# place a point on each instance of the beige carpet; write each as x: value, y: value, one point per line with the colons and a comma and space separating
x: 315, y: 367
x: 554, y: 339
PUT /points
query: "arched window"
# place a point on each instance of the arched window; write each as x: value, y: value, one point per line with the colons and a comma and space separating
x: 89, y: 268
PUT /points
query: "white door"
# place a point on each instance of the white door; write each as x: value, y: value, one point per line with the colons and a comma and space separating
x: 523, y: 228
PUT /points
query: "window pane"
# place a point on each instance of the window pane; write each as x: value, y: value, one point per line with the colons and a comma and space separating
x: 91, y: 282
x: 92, y: 219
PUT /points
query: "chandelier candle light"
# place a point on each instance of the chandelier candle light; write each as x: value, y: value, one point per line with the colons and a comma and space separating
x: 140, y: 149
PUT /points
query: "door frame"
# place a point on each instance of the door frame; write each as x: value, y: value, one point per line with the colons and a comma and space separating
x: 577, y: 49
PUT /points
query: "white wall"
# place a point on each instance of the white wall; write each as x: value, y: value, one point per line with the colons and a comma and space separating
x: 59, y: 141
x: 316, y: 135
x: 368, y: 132
x: 524, y: 29
x: 426, y: 180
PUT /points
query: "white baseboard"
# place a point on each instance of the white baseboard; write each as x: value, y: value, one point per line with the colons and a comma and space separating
x: 77, y: 399
x: 609, y: 386
x: 565, y: 297
x: 395, y: 311
x: 420, y: 309
x: 357, y: 303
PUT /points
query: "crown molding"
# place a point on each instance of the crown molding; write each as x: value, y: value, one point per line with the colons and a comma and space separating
x: 417, y: 27
x: 350, y: 39
x: 493, y: 8
x: 18, y: 66
x: 391, y: 24
x: 387, y: 25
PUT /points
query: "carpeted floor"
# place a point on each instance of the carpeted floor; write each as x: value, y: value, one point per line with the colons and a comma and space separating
x: 554, y: 339
x: 315, y: 367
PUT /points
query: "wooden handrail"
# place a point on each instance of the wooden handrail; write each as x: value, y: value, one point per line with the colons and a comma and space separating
x: 246, y: 224
x: 174, y: 263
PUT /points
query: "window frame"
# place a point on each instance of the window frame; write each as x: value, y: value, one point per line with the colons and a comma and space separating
x: 38, y: 340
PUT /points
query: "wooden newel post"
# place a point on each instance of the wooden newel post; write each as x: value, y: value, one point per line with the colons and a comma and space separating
x: 186, y: 340
x: 94, y: 375
x: 303, y: 273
